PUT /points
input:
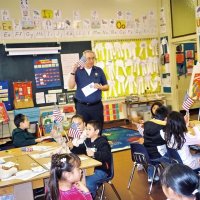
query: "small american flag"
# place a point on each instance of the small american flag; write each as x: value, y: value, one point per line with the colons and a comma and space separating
x: 81, y: 62
x: 74, y: 131
x: 140, y: 129
x: 187, y: 103
x: 57, y: 115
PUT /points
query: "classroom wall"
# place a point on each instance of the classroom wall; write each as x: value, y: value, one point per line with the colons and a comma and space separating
x: 106, y: 10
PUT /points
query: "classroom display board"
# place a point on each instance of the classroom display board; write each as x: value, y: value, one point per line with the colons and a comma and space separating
x: 4, y: 94
x: 186, y: 58
x: 21, y: 69
x: 23, y: 96
x: 47, y: 73
x: 113, y: 112
x: 3, y: 114
x: 131, y: 66
x: 194, y: 89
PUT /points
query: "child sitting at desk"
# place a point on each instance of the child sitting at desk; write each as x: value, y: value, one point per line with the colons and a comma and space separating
x: 79, y: 123
x: 95, y: 146
x: 178, y: 137
x: 65, y: 176
x: 20, y: 136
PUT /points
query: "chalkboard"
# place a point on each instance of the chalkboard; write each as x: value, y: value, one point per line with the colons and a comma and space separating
x: 20, y: 68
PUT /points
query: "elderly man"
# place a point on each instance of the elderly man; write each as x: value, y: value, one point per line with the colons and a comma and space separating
x: 90, y: 81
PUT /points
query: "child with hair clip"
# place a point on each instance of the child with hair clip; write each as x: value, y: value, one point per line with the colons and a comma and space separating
x: 65, y: 176
x: 178, y: 137
x: 180, y: 182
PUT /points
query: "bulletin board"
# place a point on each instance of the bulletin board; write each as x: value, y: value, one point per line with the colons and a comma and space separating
x: 131, y: 66
x: 20, y: 68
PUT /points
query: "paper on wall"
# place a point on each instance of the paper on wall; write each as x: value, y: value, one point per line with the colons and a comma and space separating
x: 39, y: 97
x: 50, y: 98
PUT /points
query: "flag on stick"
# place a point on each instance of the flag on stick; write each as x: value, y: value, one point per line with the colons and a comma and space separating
x: 187, y: 103
x: 81, y: 62
x: 140, y: 129
x: 57, y: 115
x: 74, y: 131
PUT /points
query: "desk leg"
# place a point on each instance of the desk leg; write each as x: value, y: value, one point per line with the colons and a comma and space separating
x: 23, y: 191
x: 83, y: 180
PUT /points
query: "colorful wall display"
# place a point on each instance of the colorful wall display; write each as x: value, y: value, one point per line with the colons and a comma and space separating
x: 47, y: 72
x: 113, y: 112
x: 3, y: 113
x: 23, y: 95
x: 165, y: 65
x: 186, y: 58
x: 131, y: 66
x: 4, y: 94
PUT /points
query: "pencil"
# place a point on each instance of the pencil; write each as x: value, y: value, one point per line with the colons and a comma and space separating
x: 66, y: 136
x: 85, y: 145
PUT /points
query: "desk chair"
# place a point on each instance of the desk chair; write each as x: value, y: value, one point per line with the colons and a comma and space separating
x: 100, y: 193
x: 140, y: 156
x: 174, y: 156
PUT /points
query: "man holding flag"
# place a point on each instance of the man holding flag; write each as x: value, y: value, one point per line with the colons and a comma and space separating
x: 90, y: 81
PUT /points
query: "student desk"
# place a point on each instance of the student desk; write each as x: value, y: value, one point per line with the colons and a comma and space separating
x: 25, y: 163
x: 23, y: 189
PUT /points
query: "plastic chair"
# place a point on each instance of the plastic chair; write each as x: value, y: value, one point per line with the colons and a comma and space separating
x: 174, y: 156
x: 109, y: 181
x: 140, y: 156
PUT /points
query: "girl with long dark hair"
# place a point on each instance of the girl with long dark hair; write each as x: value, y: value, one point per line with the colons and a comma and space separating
x: 64, y: 182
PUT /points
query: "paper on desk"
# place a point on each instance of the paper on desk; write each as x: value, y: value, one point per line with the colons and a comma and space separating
x: 48, y: 165
x: 41, y: 155
x: 44, y: 155
x: 9, y: 164
x: 26, y: 174
x: 41, y: 148
x: 2, y: 161
x: 89, y: 89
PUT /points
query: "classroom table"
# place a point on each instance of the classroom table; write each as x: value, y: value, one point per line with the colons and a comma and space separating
x: 26, y: 162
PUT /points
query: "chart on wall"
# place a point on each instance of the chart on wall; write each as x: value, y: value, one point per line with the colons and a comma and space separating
x: 47, y: 73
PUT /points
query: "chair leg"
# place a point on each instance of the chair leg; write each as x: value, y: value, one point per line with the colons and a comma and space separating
x: 115, y: 191
x: 131, y: 176
x: 154, y: 172
x: 102, y: 192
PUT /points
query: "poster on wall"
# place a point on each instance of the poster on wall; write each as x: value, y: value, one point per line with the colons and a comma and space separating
x: 194, y: 89
x: 186, y: 58
x: 47, y: 73
x: 4, y: 94
x: 3, y: 113
x: 23, y: 95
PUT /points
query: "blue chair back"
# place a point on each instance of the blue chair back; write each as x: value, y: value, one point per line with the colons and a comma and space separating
x: 174, y: 155
x: 139, y: 154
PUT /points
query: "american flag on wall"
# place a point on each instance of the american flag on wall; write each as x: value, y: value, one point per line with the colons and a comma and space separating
x: 187, y: 103
x: 74, y: 131
x: 57, y: 115
x: 81, y: 62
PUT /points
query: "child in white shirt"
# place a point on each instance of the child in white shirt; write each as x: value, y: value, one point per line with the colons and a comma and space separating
x: 178, y: 137
x: 79, y: 121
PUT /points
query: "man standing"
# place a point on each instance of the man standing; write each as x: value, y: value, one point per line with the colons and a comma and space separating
x: 90, y: 81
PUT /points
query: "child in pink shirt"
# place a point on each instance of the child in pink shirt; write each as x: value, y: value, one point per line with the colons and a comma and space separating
x: 65, y: 176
